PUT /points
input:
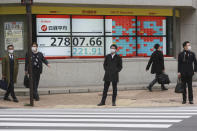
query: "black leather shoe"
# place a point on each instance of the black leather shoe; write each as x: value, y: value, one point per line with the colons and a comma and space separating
x: 101, y: 104
x: 15, y: 100
x: 191, y: 102
x: 164, y: 89
x: 184, y: 102
x: 113, y: 104
x: 7, y: 99
x: 149, y: 88
x: 37, y: 99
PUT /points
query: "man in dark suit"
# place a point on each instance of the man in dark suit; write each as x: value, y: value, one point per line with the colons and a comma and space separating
x: 112, y: 66
x: 157, y: 61
x: 10, y: 72
x: 186, y: 60
x: 37, y: 60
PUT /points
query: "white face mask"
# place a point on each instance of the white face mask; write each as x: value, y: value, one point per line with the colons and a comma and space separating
x: 11, y: 51
x: 189, y: 48
x: 112, y: 50
x: 34, y: 49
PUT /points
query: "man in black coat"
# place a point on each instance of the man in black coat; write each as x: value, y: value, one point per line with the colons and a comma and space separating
x: 37, y: 60
x: 186, y: 60
x: 112, y: 66
x: 157, y: 61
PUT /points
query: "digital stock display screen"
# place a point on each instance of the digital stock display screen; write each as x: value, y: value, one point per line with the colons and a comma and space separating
x: 91, y: 36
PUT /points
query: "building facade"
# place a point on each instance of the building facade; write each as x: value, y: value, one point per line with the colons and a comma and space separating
x: 76, y: 35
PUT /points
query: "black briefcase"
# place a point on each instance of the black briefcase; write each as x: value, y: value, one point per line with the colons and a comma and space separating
x: 3, y: 85
x: 26, y: 81
x: 179, y: 87
x: 163, y: 79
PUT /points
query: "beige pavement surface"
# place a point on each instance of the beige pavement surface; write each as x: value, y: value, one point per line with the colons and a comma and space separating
x: 131, y: 98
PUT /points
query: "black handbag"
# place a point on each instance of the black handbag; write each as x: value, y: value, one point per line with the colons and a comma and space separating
x: 163, y: 79
x: 26, y: 81
x: 179, y: 87
x: 3, y: 85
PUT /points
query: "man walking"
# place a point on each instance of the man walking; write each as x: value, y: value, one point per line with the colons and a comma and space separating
x: 37, y: 60
x: 157, y: 62
x: 10, y: 72
x: 186, y: 60
x: 112, y: 66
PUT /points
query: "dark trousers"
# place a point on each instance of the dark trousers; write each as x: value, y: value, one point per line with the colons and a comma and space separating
x: 155, y: 81
x: 187, y: 82
x: 10, y: 90
x: 36, y: 79
x: 106, y: 87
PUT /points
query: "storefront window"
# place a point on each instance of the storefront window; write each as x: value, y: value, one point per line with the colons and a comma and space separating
x: 88, y: 46
x: 151, y: 26
x: 150, y: 30
x: 54, y: 46
x: 87, y: 26
x: 146, y: 44
x: 53, y: 33
x: 13, y: 32
x: 87, y: 33
x: 126, y: 45
x: 91, y: 36
x: 120, y: 25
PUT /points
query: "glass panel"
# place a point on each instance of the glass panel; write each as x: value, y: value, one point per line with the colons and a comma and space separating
x: 87, y: 25
x: 120, y: 25
x: 88, y: 46
x: 145, y: 45
x: 53, y: 25
x: 54, y: 46
x: 13, y: 34
x: 51, y: 32
x: 150, y: 25
x: 126, y: 45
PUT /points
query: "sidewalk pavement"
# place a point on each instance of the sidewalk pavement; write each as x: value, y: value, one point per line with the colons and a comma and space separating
x: 128, y: 98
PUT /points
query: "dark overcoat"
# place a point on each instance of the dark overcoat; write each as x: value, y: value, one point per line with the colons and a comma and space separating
x: 187, y: 63
x: 112, y: 67
x: 157, y: 62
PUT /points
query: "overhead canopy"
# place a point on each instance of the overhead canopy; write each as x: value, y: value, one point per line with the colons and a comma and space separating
x: 88, y: 11
x: 154, y: 3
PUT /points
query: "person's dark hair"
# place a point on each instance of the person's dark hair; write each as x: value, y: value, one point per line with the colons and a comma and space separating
x: 156, y: 46
x: 185, y: 43
x: 9, y: 46
x: 114, y: 45
x: 34, y: 43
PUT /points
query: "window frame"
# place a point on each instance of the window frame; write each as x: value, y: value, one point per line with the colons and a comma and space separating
x: 104, y: 36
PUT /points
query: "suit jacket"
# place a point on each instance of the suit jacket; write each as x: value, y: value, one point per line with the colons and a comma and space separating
x: 41, y: 59
x: 187, y: 63
x: 157, y: 62
x: 6, y: 68
x: 112, y: 67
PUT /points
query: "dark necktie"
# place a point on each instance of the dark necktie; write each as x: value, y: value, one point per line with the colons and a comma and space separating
x: 187, y: 54
x: 11, y: 57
